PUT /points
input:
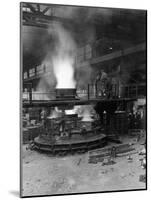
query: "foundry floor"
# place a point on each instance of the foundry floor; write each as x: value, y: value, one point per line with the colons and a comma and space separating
x: 45, y: 175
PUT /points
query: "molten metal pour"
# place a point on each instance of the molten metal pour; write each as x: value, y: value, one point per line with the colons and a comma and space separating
x: 66, y: 120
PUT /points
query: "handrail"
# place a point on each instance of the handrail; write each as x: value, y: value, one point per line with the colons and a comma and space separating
x: 93, y: 92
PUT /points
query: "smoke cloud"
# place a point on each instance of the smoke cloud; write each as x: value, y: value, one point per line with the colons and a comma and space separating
x: 63, y: 39
x: 63, y: 58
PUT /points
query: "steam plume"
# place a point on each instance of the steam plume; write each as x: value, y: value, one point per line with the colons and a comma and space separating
x: 63, y: 57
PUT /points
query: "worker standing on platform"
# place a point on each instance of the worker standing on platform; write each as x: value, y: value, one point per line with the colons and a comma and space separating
x: 104, y: 75
x: 105, y: 83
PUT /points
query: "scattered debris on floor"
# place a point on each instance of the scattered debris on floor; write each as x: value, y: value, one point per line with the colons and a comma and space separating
x: 96, y: 156
x: 30, y: 145
x: 143, y: 163
x: 129, y: 158
x: 142, y: 178
x: 57, y: 184
x: 110, y: 161
x: 107, y: 171
x: 63, y: 185
x: 79, y: 161
x: 143, y: 151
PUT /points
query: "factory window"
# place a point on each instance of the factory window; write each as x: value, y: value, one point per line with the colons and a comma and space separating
x: 25, y: 75
x: 39, y: 69
x: 32, y: 72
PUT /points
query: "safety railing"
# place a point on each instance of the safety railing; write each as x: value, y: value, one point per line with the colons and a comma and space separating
x: 133, y: 90
x: 93, y: 91
x: 34, y: 95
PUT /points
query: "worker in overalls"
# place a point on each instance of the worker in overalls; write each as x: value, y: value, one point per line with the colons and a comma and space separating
x: 105, y: 83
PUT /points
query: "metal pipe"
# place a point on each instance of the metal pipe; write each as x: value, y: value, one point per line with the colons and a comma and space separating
x: 88, y: 92
x: 96, y: 90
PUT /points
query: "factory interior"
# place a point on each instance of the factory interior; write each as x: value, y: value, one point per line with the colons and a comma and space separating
x: 83, y: 100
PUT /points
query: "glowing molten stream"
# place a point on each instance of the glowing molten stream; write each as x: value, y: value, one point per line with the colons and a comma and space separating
x: 64, y: 72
